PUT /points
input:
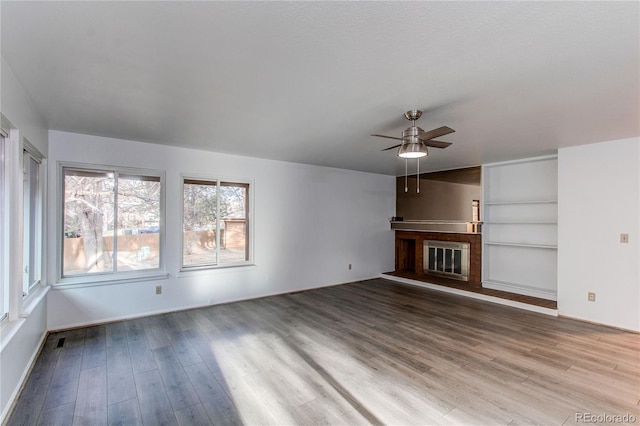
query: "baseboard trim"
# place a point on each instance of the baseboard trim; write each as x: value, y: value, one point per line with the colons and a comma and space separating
x: 586, y: 321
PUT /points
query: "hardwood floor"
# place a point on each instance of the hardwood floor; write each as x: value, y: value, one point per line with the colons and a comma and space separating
x: 372, y: 352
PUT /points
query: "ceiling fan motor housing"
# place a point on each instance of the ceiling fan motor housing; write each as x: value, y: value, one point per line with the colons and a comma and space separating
x: 410, y: 134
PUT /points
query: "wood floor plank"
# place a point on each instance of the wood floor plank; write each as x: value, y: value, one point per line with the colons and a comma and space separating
x: 124, y: 413
x: 155, y: 407
x: 60, y: 415
x: 201, y: 320
x: 218, y: 405
x: 139, y: 349
x: 328, y: 411
x: 120, y: 380
x: 91, y: 404
x: 95, y: 345
x: 115, y: 334
x: 63, y: 388
x: 184, y: 350
x: 183, y: 320
x: 176, y: 383
x: 194, y: 415
x: 155, y: 331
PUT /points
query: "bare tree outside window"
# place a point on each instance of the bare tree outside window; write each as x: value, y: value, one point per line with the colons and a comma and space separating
x: 111, y: 222
x: 199, y: 223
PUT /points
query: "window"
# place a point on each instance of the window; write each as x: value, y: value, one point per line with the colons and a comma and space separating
x: 112, y: 222
x: 4, y: 288
x: 32, y: 222
x: 215, y: 223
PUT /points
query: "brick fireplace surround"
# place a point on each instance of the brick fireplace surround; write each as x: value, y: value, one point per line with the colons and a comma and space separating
x: 409, y: 253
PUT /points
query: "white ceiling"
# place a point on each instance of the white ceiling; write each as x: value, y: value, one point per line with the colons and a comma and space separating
x: 309, y: 81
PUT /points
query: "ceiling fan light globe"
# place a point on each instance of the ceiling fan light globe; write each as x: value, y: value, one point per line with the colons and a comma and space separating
x: 413, y: 150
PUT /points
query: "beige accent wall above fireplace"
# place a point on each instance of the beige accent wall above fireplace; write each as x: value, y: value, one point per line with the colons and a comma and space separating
x: 443, y: 195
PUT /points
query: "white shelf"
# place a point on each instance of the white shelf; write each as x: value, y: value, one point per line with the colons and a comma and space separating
x: 523, y: 222
x: 540, y: 246
x: 506, y: 203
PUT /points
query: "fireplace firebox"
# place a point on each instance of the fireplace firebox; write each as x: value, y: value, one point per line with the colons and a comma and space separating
x: 448, y: 259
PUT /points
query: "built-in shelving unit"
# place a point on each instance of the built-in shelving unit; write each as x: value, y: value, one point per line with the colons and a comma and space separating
x: 520, y: 226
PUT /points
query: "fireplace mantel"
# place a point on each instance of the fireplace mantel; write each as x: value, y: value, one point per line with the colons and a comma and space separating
x: 458, y: 227
x: 410, y: 252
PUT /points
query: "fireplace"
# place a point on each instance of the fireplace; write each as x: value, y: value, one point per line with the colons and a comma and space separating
x: 448, y: 259
x: 412, y: 256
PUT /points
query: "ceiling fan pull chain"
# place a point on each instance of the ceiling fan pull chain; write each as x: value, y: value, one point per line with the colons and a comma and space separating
x: 418, y: 177
x: 406, y: 173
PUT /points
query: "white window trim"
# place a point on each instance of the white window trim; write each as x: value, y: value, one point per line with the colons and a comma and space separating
x: 250, y: 221
x: 14, y: 236
x: 4, y: 279
x: 109, y: 277
x: 40, y: 228
x: 12, y: 223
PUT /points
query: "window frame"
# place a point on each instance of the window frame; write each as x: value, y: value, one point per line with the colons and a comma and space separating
x: 4, y: 246
x: 219, y: 181
x: 102, y: 278
x: 31, y: 152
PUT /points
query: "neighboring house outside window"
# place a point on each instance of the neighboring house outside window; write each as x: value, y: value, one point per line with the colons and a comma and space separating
x: 215, y: 223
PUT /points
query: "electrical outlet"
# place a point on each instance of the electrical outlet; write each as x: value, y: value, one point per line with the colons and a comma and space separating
x: 591, y: 296
x: 624, y: 238
x: 349, y: 266
x: 158, y: 289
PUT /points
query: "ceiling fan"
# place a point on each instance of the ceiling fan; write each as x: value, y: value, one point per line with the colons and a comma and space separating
x: 415, y: 142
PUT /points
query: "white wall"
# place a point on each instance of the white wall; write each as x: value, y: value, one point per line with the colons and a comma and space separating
x: 18, y: 108
x: 310, y: 223
x: 599, y: 199
x: 20, y: 338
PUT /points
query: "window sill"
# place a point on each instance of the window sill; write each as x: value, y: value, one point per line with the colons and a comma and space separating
x: 9, y: 328
x: 202, y: 270
x: 85, y: 281
x: 34, y: 300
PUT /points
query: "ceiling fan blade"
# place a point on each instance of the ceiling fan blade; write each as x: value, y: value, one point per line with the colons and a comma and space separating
x: 391, y: 137
x: 436, y: 144
x: 391, y: 147
x: 440, y: 131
